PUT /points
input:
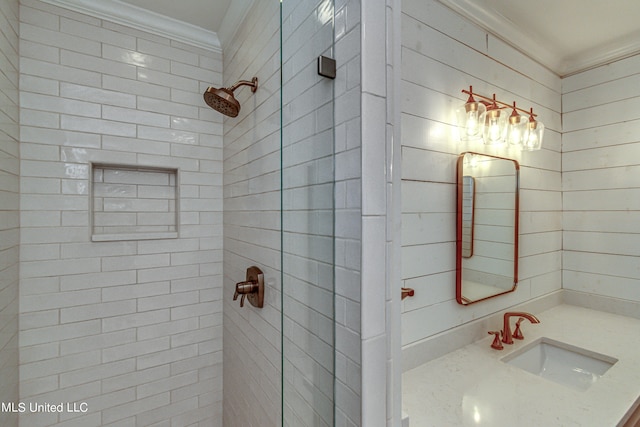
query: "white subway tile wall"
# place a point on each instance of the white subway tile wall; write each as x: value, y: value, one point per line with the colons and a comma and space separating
x: 442, y: 54
x: 348, y: 211
x: 9, y: 209
x: 377, y: 236
x: 132, y: 328
x: 600, y: 180
x: 251, y: 161
x: 308, y: 217
x: 393, y: 316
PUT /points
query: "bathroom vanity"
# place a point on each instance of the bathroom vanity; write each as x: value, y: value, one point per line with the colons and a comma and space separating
x: 476, y: 386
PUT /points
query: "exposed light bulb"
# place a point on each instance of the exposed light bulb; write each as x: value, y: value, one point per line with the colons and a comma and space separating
x: 468, y: 118
x: 472, y: 123
x: 533, y: 141
x: 515, y: 137
x: 518, y: 129
x: 494, y: 128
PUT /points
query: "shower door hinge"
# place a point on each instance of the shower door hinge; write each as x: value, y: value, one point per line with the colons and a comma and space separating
x: 327, y: 67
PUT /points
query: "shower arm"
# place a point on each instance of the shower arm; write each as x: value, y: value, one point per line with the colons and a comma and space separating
x: 253, y: 83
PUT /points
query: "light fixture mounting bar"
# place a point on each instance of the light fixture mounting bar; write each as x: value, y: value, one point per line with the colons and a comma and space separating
x: 504, y: 104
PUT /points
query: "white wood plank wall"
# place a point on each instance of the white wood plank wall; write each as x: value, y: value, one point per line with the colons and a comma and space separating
x: 442, y: 54
x: 601, y: 180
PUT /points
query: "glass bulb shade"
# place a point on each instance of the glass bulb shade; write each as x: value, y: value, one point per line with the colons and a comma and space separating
x: 469, y: 120
x: 495, y: 126
x: 517, y: 130
x: 534, y: 139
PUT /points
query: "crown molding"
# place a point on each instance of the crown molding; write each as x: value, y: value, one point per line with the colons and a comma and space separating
x: 505, y: 30
x: 602, y: 55
x: 142, y: 19
x: 509, y: 32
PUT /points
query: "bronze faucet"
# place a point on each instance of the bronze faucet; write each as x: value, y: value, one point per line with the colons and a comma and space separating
x: 507, y: 337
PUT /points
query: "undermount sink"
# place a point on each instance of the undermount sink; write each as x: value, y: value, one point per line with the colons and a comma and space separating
x: 562, y: 363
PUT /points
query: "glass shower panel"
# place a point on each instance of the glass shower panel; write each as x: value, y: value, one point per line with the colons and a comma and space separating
x: 308, y: 363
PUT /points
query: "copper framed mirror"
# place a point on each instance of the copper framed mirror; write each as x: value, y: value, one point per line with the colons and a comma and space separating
x: 487, y: 214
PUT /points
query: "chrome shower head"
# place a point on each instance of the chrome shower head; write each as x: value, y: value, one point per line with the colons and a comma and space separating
x: 222, y: 99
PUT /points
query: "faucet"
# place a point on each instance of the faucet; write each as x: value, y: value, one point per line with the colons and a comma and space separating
x: 507, y: 337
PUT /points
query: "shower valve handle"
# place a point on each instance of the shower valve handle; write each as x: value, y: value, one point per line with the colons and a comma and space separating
x: 251, y: 289
x: 244, y: 289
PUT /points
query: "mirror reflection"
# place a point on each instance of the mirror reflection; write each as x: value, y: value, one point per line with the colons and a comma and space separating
x: 486, y: 226
x: 468, y: 196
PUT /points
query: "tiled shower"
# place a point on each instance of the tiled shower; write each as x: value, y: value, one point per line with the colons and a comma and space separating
x: 130, y: 209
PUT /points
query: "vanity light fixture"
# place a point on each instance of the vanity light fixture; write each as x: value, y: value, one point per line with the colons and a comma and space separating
x: 488, y: 119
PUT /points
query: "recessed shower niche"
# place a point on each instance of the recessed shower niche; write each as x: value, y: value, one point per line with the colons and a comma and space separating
x: 133, y: 203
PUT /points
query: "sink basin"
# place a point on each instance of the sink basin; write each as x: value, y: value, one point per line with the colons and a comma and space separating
x: 562, y: 363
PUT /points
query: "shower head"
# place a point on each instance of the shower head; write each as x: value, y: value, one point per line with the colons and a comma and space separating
x: 222, y: 99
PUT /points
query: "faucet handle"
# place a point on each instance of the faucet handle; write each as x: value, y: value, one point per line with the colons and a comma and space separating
x: 497, y: 344
x: 517, y: 334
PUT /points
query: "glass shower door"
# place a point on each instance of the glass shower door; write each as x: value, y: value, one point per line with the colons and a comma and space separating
x: 308, y: 356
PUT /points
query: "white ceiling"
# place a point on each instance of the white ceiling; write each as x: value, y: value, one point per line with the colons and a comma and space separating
x: 566, y: 36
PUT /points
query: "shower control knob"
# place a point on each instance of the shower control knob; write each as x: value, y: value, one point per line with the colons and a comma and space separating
x: 244, y: 289
x: 252, y: 288
x: 235, y: 297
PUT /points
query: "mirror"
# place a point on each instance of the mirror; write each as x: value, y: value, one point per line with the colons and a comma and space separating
x: 487, y: 214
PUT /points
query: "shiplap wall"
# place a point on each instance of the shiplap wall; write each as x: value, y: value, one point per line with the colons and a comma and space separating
x: 442, y: 54
x: 9, y: 208
x: 601, y: 180
x: 133, y: 328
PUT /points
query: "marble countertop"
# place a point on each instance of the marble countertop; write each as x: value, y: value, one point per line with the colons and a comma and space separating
x: 473, y: 387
